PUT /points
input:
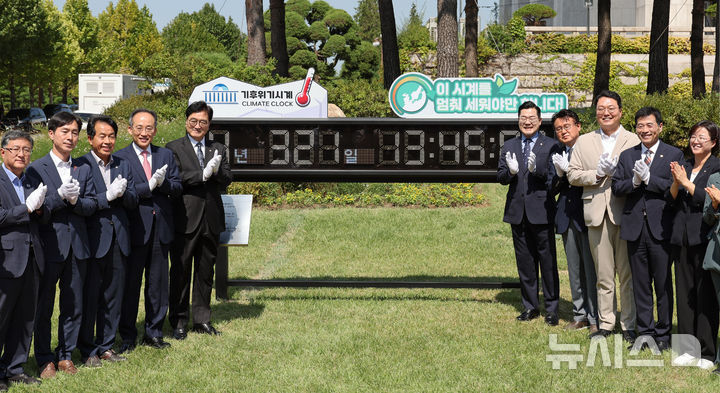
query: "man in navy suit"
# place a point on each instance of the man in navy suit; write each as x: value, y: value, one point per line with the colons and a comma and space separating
x: 109, y: 238
x: 570, y: 222
x: 70, y: 199
x: 200, y: 218
x: 157, y: 182
x: 526, y: 166
x: 643, y: 175
x: 22, y: 260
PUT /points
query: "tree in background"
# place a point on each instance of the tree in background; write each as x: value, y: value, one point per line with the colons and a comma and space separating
x: 227, y: 33
x: 471, y: 38
x: 390, y: 53
x: 716, y: 68
x: 127, y: 36
x: 62, y: 65
x: 85, y: 27
x: 602, y: 63
x: 414, y: 34
x: 277, y: 37
x: 697, y: 68
x: 367, y: 15
x: 256, y: 32
x: 658, y: 61
x: 187, y: 34
x: 321, y: 36
x: 535, y: 14
x: 447, y: 46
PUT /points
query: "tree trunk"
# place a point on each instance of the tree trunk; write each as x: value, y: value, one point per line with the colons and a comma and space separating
x: 11, y: 87
x: 277, y: 36
x: 66, y: 85
x: 697, y: 68
x: 447, y: 45
x: 658, y: 62
x: 716, y: 68
x: 471, y: 38
x: 256, y: 32
x: 602, y: 64
x: 41, y: 97
x: 51, y: 95
x: 390, y: 54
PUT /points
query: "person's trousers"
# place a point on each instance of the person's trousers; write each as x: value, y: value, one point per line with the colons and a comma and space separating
x: 609, y: 253
x: 201, y: 247
x: 535, y: 245
x: 151, y: 258
x: 697, y: 306
x: 104, y: 285
x: 651, y: 267
x: 18, y: 302
x: 71, y: 275
x: 581, y: 272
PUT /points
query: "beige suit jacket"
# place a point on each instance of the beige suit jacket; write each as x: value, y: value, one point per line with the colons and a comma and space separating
x: 597, y: 196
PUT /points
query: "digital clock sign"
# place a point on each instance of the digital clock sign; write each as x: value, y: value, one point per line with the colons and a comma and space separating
x: 365, y: 149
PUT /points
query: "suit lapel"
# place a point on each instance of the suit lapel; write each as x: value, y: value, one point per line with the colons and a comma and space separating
x: 135, y: 165
x: 48, y: 166
x: 8, y: 187
x: 622, y: 139
x: 190, y: 151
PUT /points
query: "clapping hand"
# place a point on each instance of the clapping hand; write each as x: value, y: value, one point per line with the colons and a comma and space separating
x: 531, y: 163
x: 714, y: 195
x: 70, y: 191
x: 158, y: 177
x: 212, y: 166
x: 116, y: 188
x: 639, y: 170
x: 512, y: 163
x: 36, y: 198
x: 606, y: 166
x: 561, y: 163
x: 678, y: 173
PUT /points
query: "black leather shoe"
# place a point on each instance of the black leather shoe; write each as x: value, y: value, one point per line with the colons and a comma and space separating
x: 205, y: 328
x: 663, y: 346
x: 179, y: 334
x: 600, y: 333
x: 551, y: 319
x: 528, y: 315
x: 23, y: 379
x: 126, y: 347
x: 629, y: 336
x: 155, y: 342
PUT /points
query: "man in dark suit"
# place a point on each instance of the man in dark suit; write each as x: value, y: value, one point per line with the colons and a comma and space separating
x: 156, y: 181
x: 22, y: 260
x: 643, y: 176
x: 570, y: 222
x: 108, y: 231
x: 526, y: 166
x: 70, y: 199
x: 200, y: 217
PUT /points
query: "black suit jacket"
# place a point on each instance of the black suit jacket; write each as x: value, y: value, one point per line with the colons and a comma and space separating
x: 200, y: 200
x: 646, y: 199
x: 569, y: 208
x: 529, y: 193
x: 689, y: 208
x: 110, y: 217
x: 155, y: 205
x: 18, y: 230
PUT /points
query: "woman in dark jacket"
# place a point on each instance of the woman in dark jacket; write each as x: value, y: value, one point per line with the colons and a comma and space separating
x: 697, y: 306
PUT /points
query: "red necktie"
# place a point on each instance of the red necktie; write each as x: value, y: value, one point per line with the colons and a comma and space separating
x: 146, y: 164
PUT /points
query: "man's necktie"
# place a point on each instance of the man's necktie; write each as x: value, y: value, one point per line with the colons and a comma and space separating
x: 146, y: 164
x: 526, y: 149
x: 648, y: 159
x: 200, y: 154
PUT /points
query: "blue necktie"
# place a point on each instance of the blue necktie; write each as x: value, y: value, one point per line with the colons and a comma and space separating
x: 200, y: 154
x: 526, y: 150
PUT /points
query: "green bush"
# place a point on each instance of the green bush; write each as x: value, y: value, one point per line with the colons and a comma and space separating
x: 359, y: 98
x: 167, y: 106
x: 581, y: 43
x: 534, y: 14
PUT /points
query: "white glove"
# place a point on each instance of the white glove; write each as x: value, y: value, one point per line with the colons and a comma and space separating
x: 116, y: 189
x: 212, y: 166
x: 512, y: 163
x: 36, y: 198
x: 646, y: 173
x: 638, y: 171
x: 606, y: 166
x: 531, y: 162
x: 70, y: 191
x: 158, y: 177
x: 561, y: 163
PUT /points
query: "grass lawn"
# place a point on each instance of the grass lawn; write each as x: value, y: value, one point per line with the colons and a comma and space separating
x: 377, y: 340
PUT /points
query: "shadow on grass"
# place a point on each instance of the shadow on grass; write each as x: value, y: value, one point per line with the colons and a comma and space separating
x: 225, y: 311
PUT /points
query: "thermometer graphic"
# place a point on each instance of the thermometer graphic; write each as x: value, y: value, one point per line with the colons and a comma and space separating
x: 303, y: 98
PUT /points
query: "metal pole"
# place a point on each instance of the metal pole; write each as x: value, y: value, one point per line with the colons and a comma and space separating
x: 588, y: 18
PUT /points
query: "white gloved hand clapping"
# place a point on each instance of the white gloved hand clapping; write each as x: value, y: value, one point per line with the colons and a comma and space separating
x: 512, y: 163
x: 70, y: 191
x: 561, y: 163
x: 36, y: 198
x: 158, y: 177
x: 531, y: 163
x: 638, y: 170
x: 212, y: 166
x: 116, y: 189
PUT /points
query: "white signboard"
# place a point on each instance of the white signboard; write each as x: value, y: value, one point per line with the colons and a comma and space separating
x: 237, y: 220
x: 233, y: 99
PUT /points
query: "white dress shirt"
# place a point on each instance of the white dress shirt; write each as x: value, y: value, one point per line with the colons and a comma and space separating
x: 138, y: 152
x: 652, y: 148
x: 608, y: 141
x: 104, y: 169
x: 63, y: 167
